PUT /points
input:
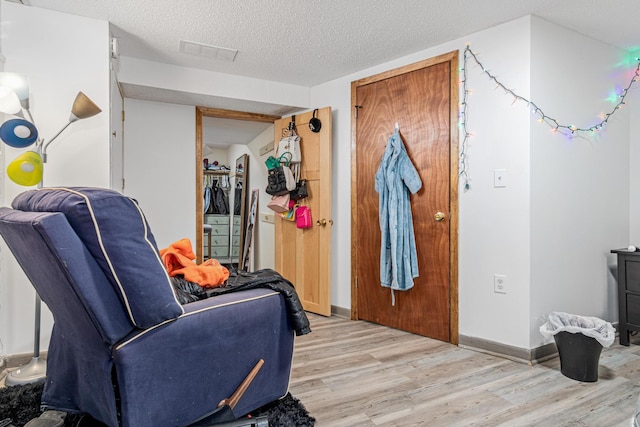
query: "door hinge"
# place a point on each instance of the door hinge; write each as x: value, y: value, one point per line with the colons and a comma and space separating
x: 123, y: 115
x: 355, y: 110
x: 356, y: 282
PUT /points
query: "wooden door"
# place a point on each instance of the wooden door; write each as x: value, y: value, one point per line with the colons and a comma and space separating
x: 422, y: 99
x: 303, y: 256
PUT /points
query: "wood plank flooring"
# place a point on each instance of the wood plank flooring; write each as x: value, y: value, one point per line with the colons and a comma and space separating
x: 355, y: 373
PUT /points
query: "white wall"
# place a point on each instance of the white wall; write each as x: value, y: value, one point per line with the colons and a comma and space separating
x: 159, y: 167
x: 634, y: 160
x: 215, y: 154
x: 61, y: 55
x: 580, y: 186
x: 193, y: 81
x: 557, y: 260
x: 264, y: 246
x: 493, y: 222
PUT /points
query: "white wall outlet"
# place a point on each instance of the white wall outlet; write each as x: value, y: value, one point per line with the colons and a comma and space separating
x: 500, y: 283
x: 499, y: 178
x: 267, y: 217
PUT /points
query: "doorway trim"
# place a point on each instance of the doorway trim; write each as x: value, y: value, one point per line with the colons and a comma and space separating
x: 222, y: 114
x: 452, y: 59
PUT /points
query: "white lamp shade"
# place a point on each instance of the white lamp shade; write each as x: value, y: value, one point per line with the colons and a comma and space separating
x: 19, y: 84
x: 9, y: 102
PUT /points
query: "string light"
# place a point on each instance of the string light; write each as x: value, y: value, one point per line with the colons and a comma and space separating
x: 556, y: 127
x: 464, y: 115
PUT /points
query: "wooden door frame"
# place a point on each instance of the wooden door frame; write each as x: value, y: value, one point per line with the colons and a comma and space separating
x: 452, y: 58
x: 222, y: 114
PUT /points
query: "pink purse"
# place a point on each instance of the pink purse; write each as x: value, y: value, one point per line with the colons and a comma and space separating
x: 279, y: 204
x: 303, y: 217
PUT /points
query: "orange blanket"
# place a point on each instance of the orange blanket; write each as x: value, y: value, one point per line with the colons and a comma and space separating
x: 179, y: 258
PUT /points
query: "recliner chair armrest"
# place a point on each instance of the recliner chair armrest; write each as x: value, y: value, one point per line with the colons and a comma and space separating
x: 201, y: 357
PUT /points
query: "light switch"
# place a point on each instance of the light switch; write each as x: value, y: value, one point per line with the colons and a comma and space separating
x: 267, y: 217
x: 499, y: 178
x: 266, y: 148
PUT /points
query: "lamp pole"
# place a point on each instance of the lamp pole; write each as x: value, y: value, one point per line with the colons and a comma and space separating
x: 36, y: 369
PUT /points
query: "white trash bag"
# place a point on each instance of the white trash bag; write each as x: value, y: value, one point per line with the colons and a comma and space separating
x: 593, y: 327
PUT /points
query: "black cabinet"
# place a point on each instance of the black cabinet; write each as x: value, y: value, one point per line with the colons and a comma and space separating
x: 628, y: 292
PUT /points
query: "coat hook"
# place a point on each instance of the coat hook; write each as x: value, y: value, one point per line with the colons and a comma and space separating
x: 397, y: 127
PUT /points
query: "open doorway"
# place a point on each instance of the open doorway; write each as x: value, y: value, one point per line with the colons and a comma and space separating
x: 219, y: 132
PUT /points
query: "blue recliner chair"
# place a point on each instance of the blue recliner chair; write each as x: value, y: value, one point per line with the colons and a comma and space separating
x: 123, y: 349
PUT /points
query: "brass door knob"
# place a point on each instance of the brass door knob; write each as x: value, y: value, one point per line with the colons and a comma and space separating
x: 322, y: 222
x: 439, y: 216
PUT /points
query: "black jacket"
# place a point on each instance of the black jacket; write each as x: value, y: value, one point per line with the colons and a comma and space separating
x: 241, y: 280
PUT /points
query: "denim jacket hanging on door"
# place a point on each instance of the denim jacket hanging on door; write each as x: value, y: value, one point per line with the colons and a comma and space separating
x: 396, y: 178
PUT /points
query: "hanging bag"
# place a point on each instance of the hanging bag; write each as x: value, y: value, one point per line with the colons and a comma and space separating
x: 285, y: 159
x: 300, y: 192
x: 290, y: 180
x: 290, y: 215
x: 290, y: 143
x: 280, y: 179
x: 303, y: 217
x: 271, y: 162
x: 277, y: 181
x: 279, y: 204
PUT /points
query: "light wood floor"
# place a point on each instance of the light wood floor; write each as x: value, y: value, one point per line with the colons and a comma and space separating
x: 355, y: 373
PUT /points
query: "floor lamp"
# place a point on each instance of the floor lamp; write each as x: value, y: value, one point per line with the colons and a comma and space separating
x: 27, y: 169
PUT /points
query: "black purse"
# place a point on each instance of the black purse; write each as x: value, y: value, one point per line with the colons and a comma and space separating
x: 277, y: 182
x: 300, y: 191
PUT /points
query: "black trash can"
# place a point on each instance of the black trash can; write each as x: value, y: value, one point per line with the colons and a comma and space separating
x: 579, y: 356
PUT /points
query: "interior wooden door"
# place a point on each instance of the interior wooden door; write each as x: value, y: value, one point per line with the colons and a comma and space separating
x: 303, y: 256
x: 422, y: 101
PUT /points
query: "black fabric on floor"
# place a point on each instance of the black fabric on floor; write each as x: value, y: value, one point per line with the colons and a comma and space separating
x: 21, y: 403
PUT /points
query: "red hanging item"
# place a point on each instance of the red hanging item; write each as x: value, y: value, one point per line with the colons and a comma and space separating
x: 303, y: 217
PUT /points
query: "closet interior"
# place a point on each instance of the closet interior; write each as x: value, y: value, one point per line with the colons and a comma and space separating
x: 224, y: 208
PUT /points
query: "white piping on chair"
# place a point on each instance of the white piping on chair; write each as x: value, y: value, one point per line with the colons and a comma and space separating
x: 157, y: 255
x: 121, y: 345
x: 290, y: 365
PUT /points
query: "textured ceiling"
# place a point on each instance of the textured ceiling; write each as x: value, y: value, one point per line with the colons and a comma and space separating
x: 313, y: 41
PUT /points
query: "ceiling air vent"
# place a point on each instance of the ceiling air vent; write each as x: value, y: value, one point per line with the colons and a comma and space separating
x: 208, y: 51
